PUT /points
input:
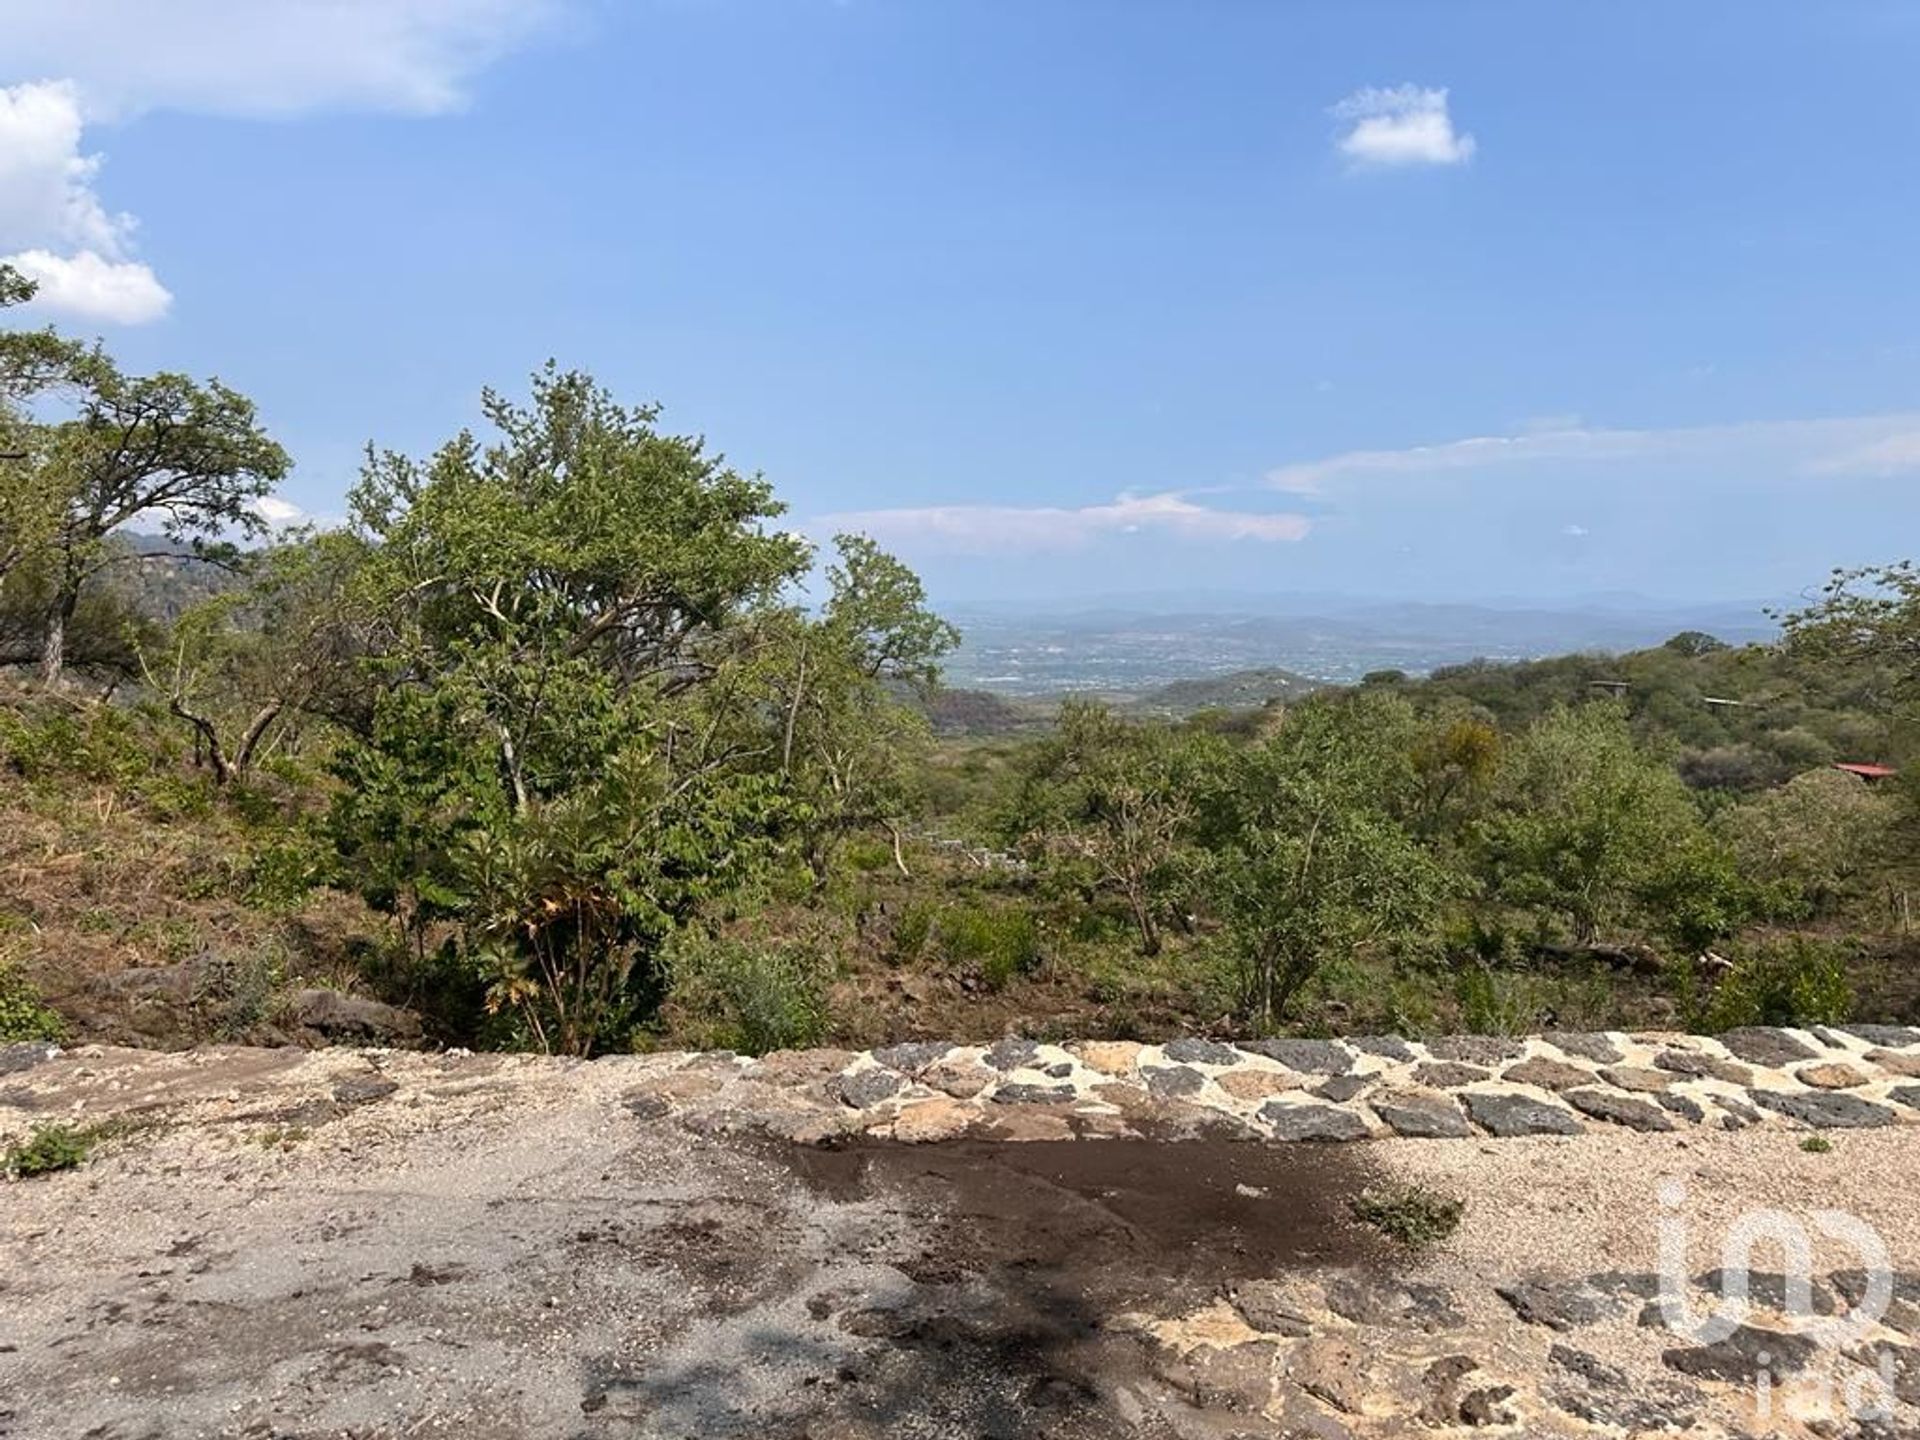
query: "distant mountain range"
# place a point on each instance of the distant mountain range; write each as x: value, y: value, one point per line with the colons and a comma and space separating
x: 1127, y: 651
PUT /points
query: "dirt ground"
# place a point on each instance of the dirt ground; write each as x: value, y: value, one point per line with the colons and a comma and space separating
x: 305, y: 1245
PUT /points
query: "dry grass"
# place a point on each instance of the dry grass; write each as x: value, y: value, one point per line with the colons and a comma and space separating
x: 127, y: 896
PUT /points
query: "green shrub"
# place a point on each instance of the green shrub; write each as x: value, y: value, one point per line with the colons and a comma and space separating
x: 1003, y: 943
x: 1793, y: 982
x: 726, y: 994
x: 912, y: 928
x: 168, y: 797
x: 23, y: 1015
x: 285, y: 871
x: 236, y: 992
x: 99, y: 743
x: 1412, y: 1215
x: 1493, y: 1003
x: 50, y: 1147
x: 865, y: 855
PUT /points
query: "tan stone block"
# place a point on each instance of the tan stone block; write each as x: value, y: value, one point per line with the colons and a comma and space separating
x: 1110, y: 1057
x: 1029, y: 1122
x: 1632, y: 1077
x: 1896, y: 1062
x: 1830, y: 1075
x: 927, y: 1122
x: 1548, y: 1074
x: 1334, y: 1372
x: 962, y: 1079
x: 1245, y: 1084
x: 787, y: 1065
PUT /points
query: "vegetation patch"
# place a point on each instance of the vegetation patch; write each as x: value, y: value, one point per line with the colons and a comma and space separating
x: 1410, y: 1215
x: 567, y: 740
x: 49, y: 1147
x: 23, y: 1014
x: 734, y: 994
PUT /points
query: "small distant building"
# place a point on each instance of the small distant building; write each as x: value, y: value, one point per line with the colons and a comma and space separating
x: 1869, y: 773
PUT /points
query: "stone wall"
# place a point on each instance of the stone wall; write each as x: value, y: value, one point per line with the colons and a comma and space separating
x: 1292, y: 1089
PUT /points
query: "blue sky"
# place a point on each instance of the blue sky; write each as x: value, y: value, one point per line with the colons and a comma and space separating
x: 1425, y: 299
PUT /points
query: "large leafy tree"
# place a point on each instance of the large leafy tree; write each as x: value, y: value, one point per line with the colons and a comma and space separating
x: 188, y: 457
x: 1308, y: 861
x: 561, y: 764
x: 1595, y: 830
x: 1109, y: 807
x: 32, y: 363
x: 1812, y: 843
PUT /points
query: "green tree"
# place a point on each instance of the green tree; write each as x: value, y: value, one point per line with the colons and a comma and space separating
x: 1587, y: 825
x: 1454, y: 762
x: 1309, y: 863
x: 1811, y: 843
x: 1108, y: 806
x: 32, y: 364
x: 244, y: 667
x: 563, y: 764
x: 1867, y: 618
x: 188, y: 457
x: 848, y: 743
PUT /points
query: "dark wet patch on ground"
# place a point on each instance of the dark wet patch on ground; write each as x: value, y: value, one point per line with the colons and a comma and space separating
x: 1134, y: 1213
x: 1016, y: 1258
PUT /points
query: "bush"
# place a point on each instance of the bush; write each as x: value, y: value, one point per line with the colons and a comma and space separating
x: 23, y: 1014
x: 1794, y: 982
x: 284, y: 872
x: 236, y: 991
x: 99, y: 743
x: 729, y: 995
x: 911, y: 931
x: 1003, y: 943
x: 48, y: 1148
x: 1412, y: 1215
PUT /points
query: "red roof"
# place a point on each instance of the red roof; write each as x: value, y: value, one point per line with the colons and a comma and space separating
x: 1869, y: 772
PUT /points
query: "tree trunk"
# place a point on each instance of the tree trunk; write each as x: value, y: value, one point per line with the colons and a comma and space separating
x: 53, y: 650
x: 1143, y: 919
x: 203, y: 731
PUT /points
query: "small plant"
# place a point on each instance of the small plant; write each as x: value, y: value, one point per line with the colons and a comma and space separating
x: 732, y: 995
x: 281, y: 1137
x: 49, y: 1148
x: 911, y: 930
x: 1817, y: 1145
x: 1411, y: 1215
x: 23, y: 1015
x: 1797, y: 982
x: 1004, y: 943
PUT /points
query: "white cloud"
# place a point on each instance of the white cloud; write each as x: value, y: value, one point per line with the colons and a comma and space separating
x: 239, y: 57
x: 92, y: 287
x: 53, y: 226
x: 1844, y: 445
x: 1406, y: 125
x: 995, y: 528
x: 279, y: 513
x: 46, y: 184
x: 1892, y: 455
x: 267, y: 57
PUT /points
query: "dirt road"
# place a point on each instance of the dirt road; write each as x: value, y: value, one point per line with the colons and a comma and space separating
x: 342, y: 1244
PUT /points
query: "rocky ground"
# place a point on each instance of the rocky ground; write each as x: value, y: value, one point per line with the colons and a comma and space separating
x: 1095, y: 1240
